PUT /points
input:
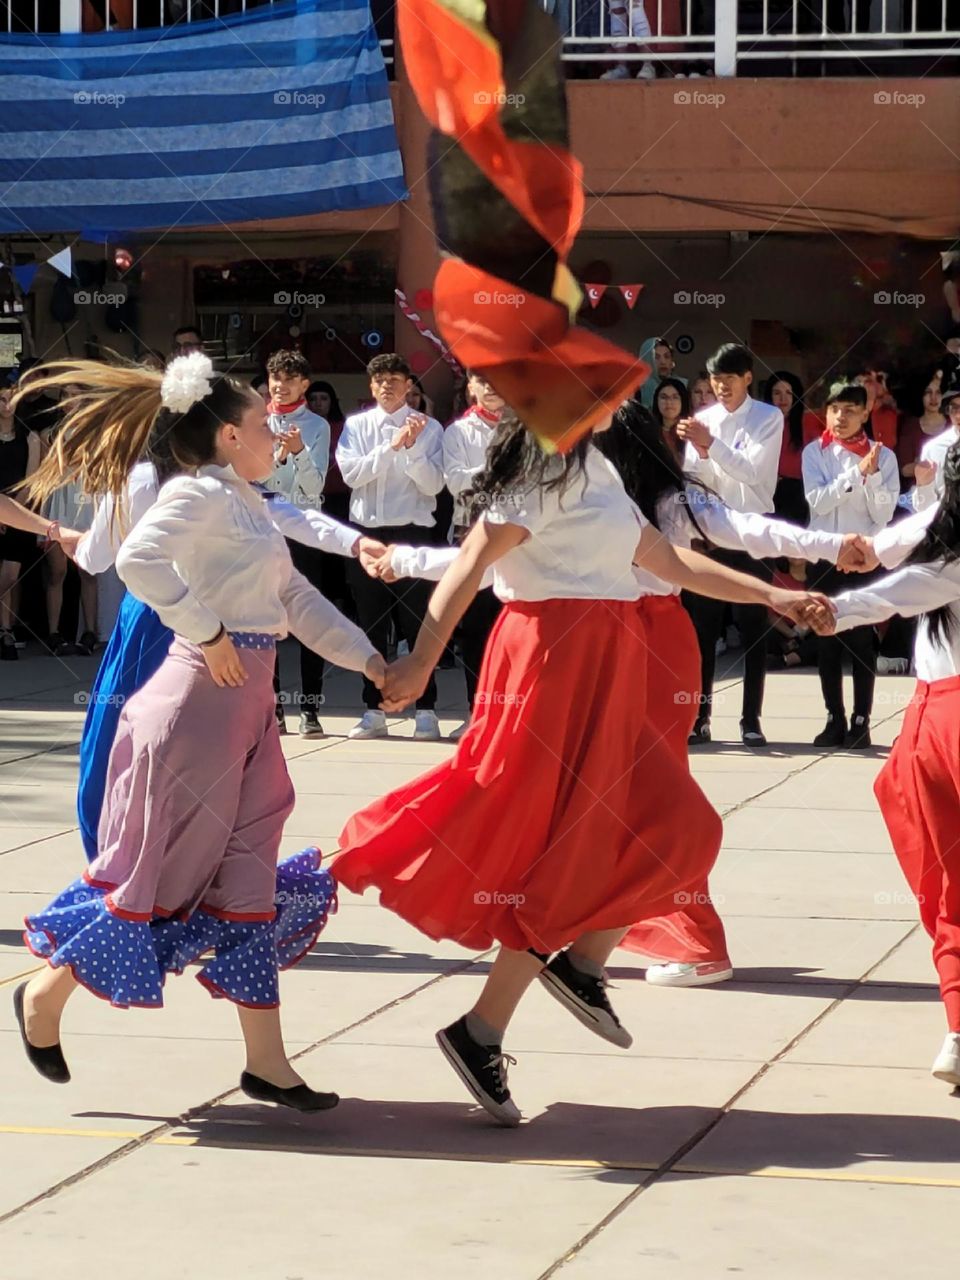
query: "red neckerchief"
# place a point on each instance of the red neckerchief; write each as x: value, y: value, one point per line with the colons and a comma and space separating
x: 860, y: 444
x: 273, y: 407
x: 487, y: 415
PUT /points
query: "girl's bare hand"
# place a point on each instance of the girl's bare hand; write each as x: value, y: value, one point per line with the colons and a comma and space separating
x: 224, y: 663
x: 376, y: 670
x: 405, y: 681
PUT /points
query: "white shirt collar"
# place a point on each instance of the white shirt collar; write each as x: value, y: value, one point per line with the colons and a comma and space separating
x: 742, y: 410
x: 227, y: 475
x: 396, y: 419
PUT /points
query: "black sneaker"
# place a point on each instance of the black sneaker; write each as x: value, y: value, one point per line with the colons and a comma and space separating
x: 8, y: 647
x: 281, y: 719
x: 57, y: 646
x: 751, y: 735
x: 586, y: 998
x: 87, y: 644
x: 483, y: 1069
x: 699, y: 733
x: 858, y: 739
x: 834, y: 733
x: 310, y: 726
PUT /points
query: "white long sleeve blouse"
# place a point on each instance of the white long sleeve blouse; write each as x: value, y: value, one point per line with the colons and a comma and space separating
x: 97, y: 549
x: 914, y: 589
x: 207, y: 553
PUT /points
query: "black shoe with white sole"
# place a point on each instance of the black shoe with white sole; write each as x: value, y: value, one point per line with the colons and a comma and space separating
x: 699, y: 733
x: 586, y: 998
x: 483, y: 1069
x: 751, y: 735
x: 858, y: 739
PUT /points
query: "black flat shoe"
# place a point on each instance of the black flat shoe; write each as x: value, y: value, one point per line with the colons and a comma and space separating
x: 299, y: 1098
x: 49, y: 1062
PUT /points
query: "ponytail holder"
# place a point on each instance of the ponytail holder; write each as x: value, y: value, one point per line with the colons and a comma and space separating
x: 186, y: 381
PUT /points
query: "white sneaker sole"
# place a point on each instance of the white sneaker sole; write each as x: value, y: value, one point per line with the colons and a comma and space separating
x: 434, y: 735
x: 687, y: 979
x: 597, y: 1022
x: 359, y: 735
x: 506, y: 1115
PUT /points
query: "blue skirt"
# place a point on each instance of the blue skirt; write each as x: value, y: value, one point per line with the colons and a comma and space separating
x: 138, y: 644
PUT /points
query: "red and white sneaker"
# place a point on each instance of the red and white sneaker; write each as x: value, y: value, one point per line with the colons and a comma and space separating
x: 677, y: 974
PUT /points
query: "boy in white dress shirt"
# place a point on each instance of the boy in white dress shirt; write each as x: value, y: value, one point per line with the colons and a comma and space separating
x: 852, y: 485
x: 391, y: 458
x: 734, y: 449
x: 928, y: 489
x: 300, y: 468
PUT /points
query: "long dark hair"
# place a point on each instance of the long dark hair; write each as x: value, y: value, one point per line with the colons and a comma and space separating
x: 516, y: 464
x: 336, y: 413
x: 941, y: 543
x: 794, y: 419
x: 681, y: 390
x: 649, y: 471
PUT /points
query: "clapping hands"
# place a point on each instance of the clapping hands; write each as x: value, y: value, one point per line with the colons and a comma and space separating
x: 410, y: 432
x: 925, y: 472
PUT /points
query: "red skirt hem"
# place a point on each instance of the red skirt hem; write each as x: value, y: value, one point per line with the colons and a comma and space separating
x: 550, y: 820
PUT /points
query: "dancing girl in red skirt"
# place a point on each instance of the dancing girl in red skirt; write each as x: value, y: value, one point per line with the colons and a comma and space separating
x: 535, y: 834
x: 918, y: 789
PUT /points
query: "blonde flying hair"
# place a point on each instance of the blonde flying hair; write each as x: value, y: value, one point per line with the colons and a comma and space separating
x: 115, y: 418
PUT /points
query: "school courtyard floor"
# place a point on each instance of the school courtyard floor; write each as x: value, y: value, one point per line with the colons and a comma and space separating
x: 781, y: 1125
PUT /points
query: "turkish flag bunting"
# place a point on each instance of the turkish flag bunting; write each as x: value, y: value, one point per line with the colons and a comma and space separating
x: 595, y: 292
x: 631, y: 292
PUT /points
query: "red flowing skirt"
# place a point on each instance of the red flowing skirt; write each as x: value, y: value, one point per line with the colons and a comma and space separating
x: 562, y: 811
x: 918, y: 790
x: 693, y: 932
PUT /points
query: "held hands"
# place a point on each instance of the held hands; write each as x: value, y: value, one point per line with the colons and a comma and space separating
x: 698, y: 435
x: 224, y: 663
x: 368, y: 551
x: 376, y: 670
x: 377, y: 562
x: 857, y: 555
x: 68, y: 539
x: 809, y: 608
x: 405, y: 681
x: 870, y: 464
x: 925, y: 472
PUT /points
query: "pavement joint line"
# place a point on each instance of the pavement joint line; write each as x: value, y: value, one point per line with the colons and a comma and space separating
x: 673, y: 1160
x: 54, y: 835
x: 165, y: 1130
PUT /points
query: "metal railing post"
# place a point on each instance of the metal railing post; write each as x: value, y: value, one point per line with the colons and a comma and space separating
x: 70, y: 15
x: 725, y: 38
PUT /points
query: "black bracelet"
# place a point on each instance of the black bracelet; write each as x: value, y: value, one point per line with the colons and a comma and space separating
x: 205, y: 644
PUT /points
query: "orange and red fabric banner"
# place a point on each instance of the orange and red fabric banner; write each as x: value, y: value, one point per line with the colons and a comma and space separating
x: 508, y: 202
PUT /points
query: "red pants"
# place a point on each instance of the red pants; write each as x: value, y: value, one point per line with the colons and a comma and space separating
x: 919, y: 794
x: 692, y: 934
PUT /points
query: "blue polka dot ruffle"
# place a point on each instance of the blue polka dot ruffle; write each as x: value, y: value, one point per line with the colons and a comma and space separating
x: 126, y: 961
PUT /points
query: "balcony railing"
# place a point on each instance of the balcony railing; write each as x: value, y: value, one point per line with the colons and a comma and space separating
x: 715, y: 37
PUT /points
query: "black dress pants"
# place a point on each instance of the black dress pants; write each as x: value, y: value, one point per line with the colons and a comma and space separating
x: 753, y: 623
x: 406, y: 599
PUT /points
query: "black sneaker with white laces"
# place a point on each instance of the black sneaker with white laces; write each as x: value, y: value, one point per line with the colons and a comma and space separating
x: 858, y: 739
x: 586, y: 998
x: 483, y: 1069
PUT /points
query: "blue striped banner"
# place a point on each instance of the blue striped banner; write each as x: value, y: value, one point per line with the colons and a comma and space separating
x: 277, y: 113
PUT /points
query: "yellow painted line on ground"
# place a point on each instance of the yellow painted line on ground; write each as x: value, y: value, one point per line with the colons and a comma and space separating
x: 399, y: 1153
x: 43, y: 1132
